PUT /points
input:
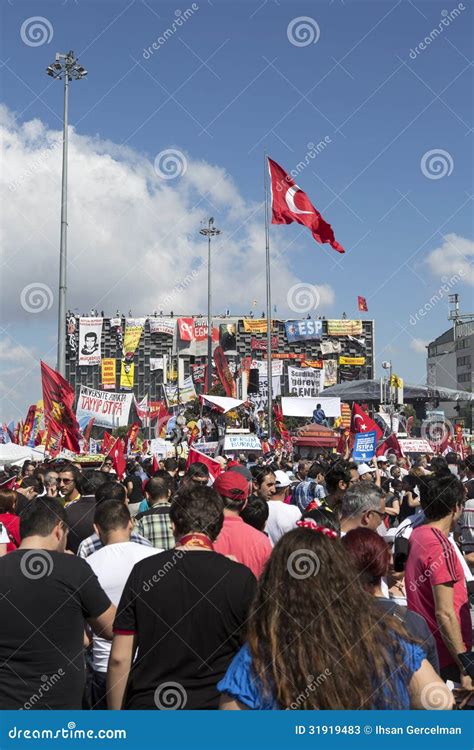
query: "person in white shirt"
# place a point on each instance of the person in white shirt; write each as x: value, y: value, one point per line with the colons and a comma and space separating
x: 281, y: 516
x: 112, y: 565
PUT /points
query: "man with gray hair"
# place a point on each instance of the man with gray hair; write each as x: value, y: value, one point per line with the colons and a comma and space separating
x: 362, y: 505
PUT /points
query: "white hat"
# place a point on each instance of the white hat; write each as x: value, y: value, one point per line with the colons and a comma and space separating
x: 364, y: 469
x: 282, y: 479
x: 382, y: 458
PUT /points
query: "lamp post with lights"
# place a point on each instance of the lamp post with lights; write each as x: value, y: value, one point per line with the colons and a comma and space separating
x: 67, y: 68
x: 209, y: 231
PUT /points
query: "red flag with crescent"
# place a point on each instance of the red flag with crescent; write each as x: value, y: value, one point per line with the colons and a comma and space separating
x: 290, y: 203
x: 361, y: 422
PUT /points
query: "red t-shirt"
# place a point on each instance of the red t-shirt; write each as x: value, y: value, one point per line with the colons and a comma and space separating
x: 12, y: 525
x: 247, y: 545
x: 432, y: 560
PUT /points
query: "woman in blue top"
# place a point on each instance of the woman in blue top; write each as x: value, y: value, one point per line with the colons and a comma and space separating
x: 315, y: 639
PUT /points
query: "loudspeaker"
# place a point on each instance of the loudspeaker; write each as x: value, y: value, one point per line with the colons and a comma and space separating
x: 254, y: 382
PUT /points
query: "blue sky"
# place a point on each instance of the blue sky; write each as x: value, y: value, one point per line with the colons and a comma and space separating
x: 228, y: 84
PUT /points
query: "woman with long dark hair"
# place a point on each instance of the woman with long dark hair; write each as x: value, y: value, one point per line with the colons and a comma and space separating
x: 315, y: 639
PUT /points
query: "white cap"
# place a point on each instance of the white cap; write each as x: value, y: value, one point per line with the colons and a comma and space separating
x: 364, y: 469
x: 282, y: 479
x: 382, y: 458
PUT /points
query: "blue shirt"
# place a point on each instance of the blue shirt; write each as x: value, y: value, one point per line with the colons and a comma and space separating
x: 243, y: 685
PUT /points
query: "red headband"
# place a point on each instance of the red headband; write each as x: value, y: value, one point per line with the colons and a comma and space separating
x: 309, y: 523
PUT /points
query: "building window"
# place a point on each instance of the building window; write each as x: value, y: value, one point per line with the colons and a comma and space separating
x: 465, y: 377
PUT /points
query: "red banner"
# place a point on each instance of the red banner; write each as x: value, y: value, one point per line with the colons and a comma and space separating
x: 186, y: 329
x: 224, y: 372
x: 261, y: 344
x: 28, y: 425
x: 58, y: 397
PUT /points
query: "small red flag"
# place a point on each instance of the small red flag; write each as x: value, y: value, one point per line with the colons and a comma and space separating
x: 118, y: 458
x: 214, y: 466
x: 390, y: 444
x: 284, y: 195
x: 362, y: 304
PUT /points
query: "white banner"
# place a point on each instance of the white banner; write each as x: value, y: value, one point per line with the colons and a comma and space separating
x: 186, y: 393
x: 304, y: 407
x: 306, y: 382
x: 162, y: 325
x: 415, y: 445
x: 156, y: 363
x: 260, y: 399
x: 262, y: 367
x: 330, y: 347
x: 108, y: 409
x: 90, y: 334
x: 236, y: 443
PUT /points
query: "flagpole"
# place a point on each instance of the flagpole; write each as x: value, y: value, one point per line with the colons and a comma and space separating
x: 269, y: 298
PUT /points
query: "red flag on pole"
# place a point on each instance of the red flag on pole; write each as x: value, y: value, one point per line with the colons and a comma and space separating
x: 362, y: 304
x: 361, y: 422
x: 118, y: 458
x: 391, y: 445
x: 290, y: 203
x: 107, y: 443
x: 58, y: 397
x: 213, y: 465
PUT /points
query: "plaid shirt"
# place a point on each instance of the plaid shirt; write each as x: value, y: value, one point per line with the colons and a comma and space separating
x: 93, y: 543
x: 155, y: 525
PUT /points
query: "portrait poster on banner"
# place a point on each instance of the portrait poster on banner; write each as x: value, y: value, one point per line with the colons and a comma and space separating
x: 163, y: 325
x: 108, y: 374
x: 127, y: 375
x: 228, y: 337
x: 344, y: 327
x: 116, y: 329
x: 133, y: 333
x: 72, y: 333
x: 305, y: 382
x: 90, y: 334
x: 108, y: 409
x: 330, y: 372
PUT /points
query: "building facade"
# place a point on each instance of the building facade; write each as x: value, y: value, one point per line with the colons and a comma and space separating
x: 449, y: 365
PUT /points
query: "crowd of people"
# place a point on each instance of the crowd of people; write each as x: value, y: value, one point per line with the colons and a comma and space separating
x: 280, y: 584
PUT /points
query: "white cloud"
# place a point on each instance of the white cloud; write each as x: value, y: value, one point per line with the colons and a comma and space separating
x: 419, y: 346
x: 453, y: 258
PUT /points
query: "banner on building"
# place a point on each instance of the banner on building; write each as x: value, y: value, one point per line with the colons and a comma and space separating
x: 305, y: 382
x: 356, y: 361
x: 286, y: 355
x: 186, y: 329
x: 314, y: 364
x: 330, y: 372
x: 157, y: 363
x: 330, y: 347
x: 163, y: 325
x: 199, y: 373
x: 200, y: 330
x: 90, y: 334
x: 261, y: 344
x: 260, y: 399
x: 262, y: 367
x: 175, y: 395
x: 71, y: 325
x: 108, y: 409
x: 116, y: 330
x: 133, y: 333
x: 303, y: 330
x: 228, y: 337
x: 257, y: 325
x: 108, y: 374
x: 344, y: 327
x: 127, y: 375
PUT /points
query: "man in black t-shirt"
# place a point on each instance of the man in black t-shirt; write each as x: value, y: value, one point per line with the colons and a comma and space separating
x: 45, y: 598
x: 184, y: 611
